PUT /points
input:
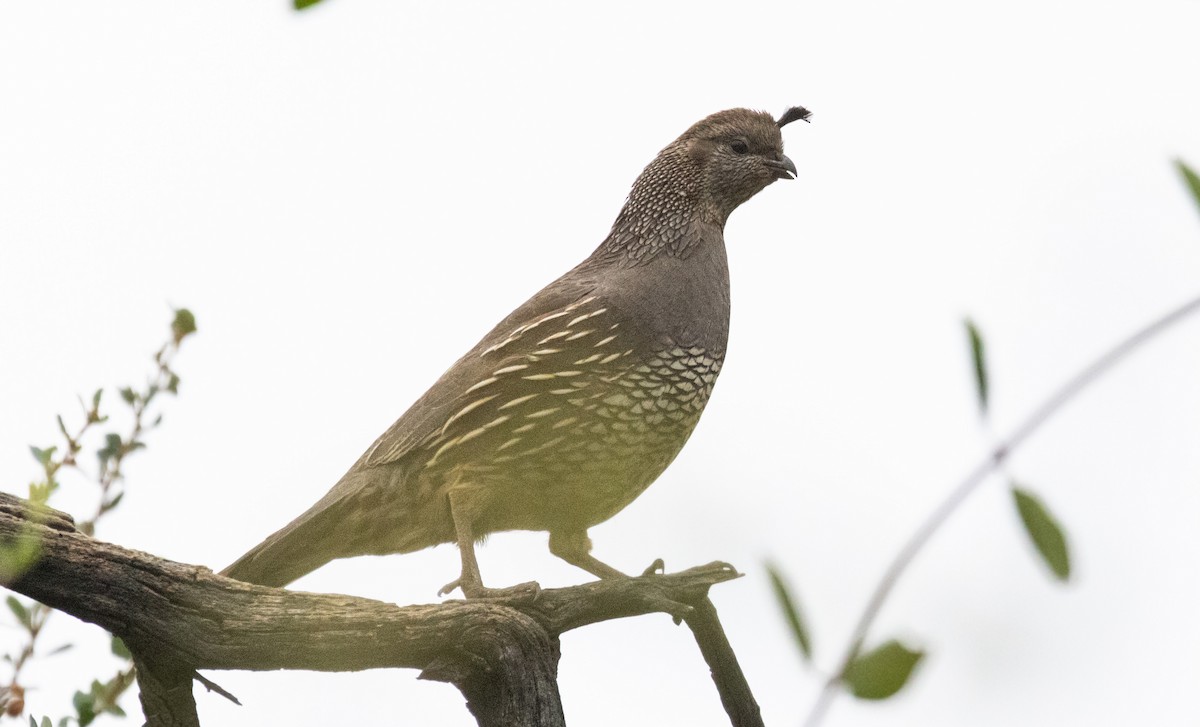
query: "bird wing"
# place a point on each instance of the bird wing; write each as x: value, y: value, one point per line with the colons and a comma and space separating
x: 314, y: 537
x: 509, y: 344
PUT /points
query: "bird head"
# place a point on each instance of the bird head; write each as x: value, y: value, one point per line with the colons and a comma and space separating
x: 737, y: 153
x: 701, y: 177
x: 716, y: 165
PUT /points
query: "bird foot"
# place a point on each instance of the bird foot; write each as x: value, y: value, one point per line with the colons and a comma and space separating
x: 522, y: 592
x: 447, y: 589
x: 658, y: 567
x: 677, y: 611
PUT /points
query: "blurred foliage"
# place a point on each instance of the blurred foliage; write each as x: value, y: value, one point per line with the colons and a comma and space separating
x: 882, y: 671
x: 1045, y: 532
x: 791, y: 611
x: 19, y: 556
x: 1190, y: 178
x: 978, y: 364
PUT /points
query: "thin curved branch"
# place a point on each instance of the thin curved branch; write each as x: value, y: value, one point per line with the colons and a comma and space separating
x: 1061, y: 396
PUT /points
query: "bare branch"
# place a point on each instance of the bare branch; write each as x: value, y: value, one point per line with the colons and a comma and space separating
x: 166, y: 694
x: 176, y: 618
x: 735, y: 693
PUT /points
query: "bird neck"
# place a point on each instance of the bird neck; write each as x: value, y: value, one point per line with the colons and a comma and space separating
x: 662, y: 213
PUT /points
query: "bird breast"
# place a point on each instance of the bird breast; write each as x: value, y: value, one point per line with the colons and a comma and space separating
x: 571, y: 417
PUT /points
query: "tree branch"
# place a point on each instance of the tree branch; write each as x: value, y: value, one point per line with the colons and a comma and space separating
x: 503, y: 655
x: 166, y: 694
x: 515, y: 683
x: 727, y: 674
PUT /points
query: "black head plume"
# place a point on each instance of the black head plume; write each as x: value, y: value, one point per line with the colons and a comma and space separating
x: 795, y: 113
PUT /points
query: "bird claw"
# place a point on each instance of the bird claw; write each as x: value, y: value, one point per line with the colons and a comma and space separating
x: 528, y: 592
x: 675, y: 609
x: 658, y: 567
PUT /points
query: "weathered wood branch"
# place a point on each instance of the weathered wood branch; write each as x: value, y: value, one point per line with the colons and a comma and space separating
x: 727, y: 674
x: 516, y: 683
x: 503, y: 655
x: 166, y: 694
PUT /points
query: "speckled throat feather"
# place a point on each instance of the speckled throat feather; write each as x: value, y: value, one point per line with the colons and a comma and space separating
x: 662, y: 204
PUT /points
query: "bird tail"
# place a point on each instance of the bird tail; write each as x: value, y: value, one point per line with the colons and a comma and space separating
x: 300, y: 547
x: 276, y: 562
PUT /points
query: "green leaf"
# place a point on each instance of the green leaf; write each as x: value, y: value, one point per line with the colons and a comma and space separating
x: 302, y: 4
x: 183, y: 325
x: 173, y: 384
x: 43, y: 456
x: 18, y: 555
x: 120, y: 649
x: 19, y: 611
x: 40, y: 492
x: 128, y: 395
x: 1190, y: 178
x: 46, y: 722
x: 62, y: 428
x: 112, y: 447
x: 979, y: 363
x: 883, y: 671
x: 85, y: 708
x: 96, y: 398
x: 791, y: 611
x: 115, y: 501
x: 1044, y: 531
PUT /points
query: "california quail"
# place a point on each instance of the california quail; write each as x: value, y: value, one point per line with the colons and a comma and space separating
x: 570, y: 407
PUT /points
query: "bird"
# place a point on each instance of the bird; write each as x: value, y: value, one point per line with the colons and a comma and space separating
x: 573, y: 404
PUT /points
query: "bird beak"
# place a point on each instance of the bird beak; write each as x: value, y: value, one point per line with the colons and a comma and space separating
x: 782, y: 166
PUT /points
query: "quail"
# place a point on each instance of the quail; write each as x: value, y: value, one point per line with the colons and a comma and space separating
x: 572, y: 405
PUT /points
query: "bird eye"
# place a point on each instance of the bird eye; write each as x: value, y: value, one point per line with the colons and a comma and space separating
x: 739, y: 147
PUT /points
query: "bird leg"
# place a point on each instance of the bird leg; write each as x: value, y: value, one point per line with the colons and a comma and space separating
x: 575, y: 548
x: 469, y: 580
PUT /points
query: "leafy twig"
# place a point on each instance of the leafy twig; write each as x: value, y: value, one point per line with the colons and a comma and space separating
x: 904, y: 558
x: 17, y: 557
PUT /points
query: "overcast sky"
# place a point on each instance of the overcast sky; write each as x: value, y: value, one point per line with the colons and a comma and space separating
x: 350, y: 197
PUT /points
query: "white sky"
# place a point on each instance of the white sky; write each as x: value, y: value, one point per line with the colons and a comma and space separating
x: 350, y: 197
